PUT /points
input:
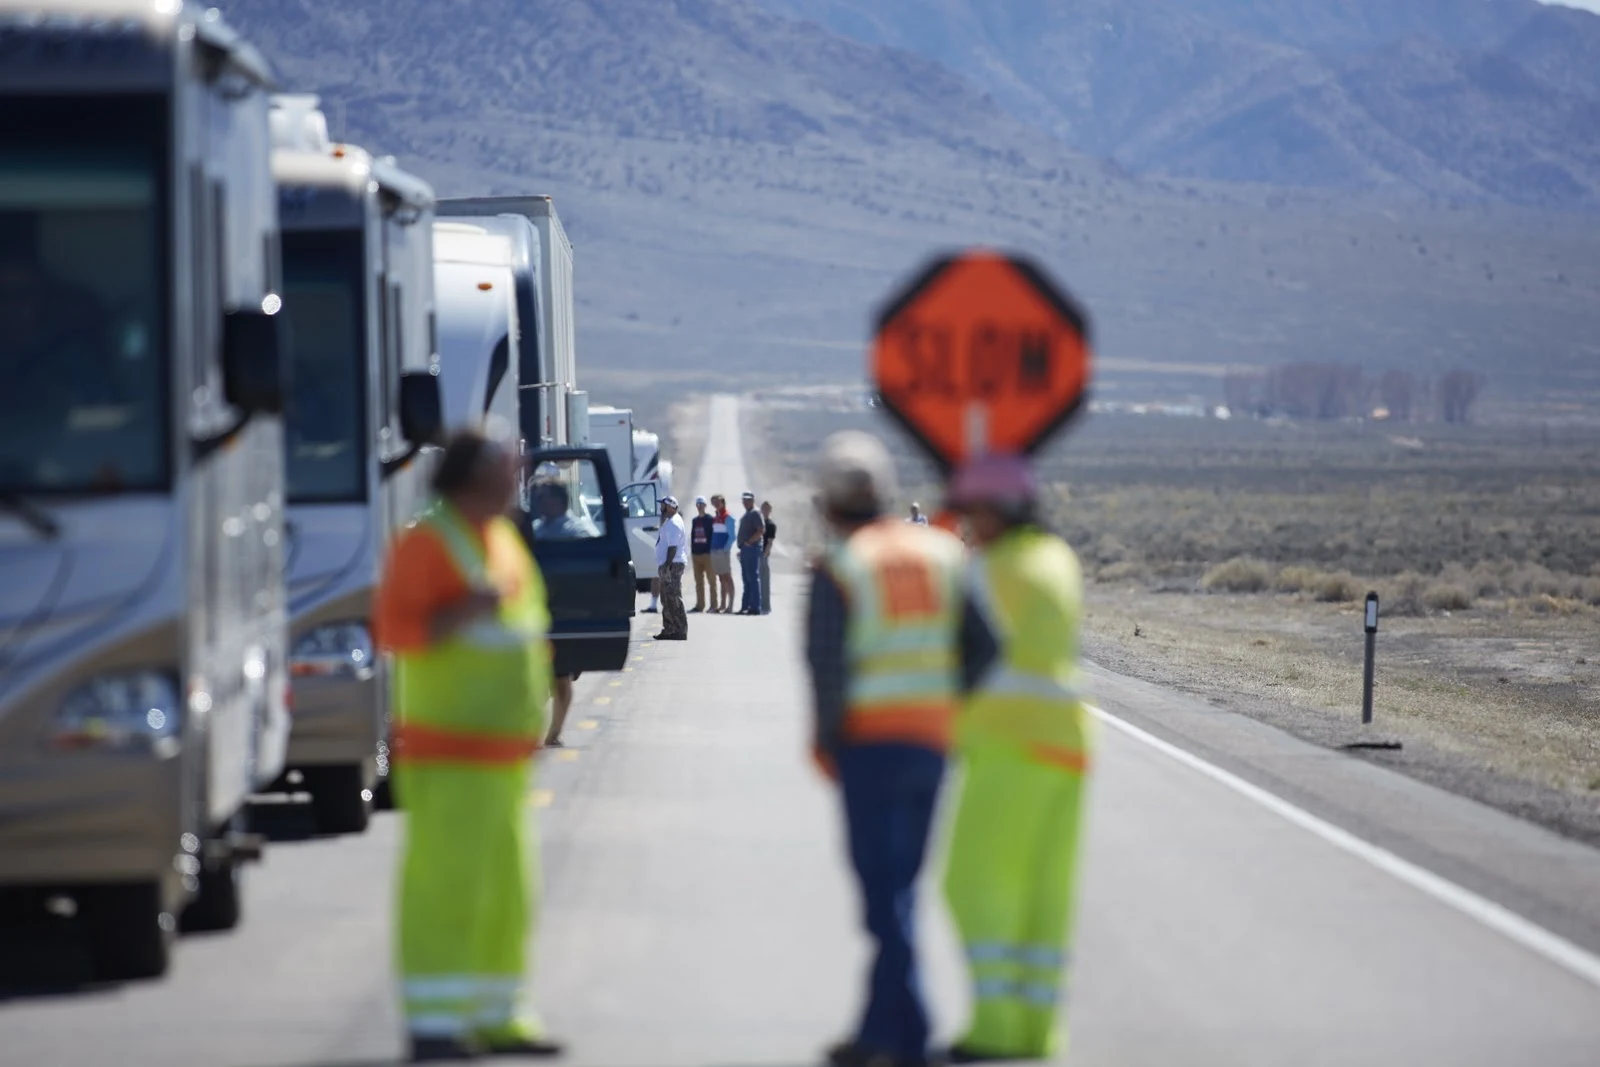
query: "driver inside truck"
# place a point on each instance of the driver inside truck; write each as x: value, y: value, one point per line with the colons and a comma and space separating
x: 553, y: 516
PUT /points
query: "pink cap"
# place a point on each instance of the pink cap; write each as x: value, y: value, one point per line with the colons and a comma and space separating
x: 996, y: 479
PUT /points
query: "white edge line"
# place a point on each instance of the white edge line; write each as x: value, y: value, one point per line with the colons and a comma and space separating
x: 1558, y: 950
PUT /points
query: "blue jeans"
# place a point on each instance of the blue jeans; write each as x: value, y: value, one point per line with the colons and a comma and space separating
x: 890, y: 792
x: 750, y: 567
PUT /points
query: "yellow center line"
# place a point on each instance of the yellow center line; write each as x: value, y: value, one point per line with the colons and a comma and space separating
x: 540, y: 798
x: 615, y: 685
x: 602, y: 700
x: 588, y: 724
x: 567, y: 755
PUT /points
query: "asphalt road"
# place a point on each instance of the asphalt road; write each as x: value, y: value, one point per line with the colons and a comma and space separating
x: 1249, y: 899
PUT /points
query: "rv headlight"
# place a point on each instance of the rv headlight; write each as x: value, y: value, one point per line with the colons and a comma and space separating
x: 339, y: 648
x: 123, y: 711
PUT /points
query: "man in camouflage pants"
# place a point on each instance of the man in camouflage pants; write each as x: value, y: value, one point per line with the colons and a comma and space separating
x: 672, y: 553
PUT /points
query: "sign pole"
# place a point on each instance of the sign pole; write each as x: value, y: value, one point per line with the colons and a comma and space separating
x: 1372, y: 653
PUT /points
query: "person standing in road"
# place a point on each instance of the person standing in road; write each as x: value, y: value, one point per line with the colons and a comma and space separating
x: 700, y: 535
x: 560, y: 705
x: 672, y: 543
x: 752, y: 531
x: 722, y: 538
x: 892, y: 642
x: 768, y: 537
x: 917, y: 518
x: 1023, y: 740
x: 462, y: 607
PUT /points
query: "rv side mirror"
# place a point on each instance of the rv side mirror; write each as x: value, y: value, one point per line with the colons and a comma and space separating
x: 254, y: 366
x: 421, y: 407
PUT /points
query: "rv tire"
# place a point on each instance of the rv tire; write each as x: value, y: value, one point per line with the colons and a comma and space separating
x: 130, y: 930
x: 341, y: 802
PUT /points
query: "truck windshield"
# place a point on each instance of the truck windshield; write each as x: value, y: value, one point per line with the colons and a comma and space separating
x: 83, y: 354
x: 323, y: 289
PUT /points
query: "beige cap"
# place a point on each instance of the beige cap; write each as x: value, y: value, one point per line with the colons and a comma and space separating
x: 856, y: 474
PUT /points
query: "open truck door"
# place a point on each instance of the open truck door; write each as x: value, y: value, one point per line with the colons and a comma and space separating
x: 576, y: 529
x: 641, y: 513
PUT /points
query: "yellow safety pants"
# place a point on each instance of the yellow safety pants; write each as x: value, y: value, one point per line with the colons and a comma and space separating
x: 1011, y: 884
x: 468, y: 888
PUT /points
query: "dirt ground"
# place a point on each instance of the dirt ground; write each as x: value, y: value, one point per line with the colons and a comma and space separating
x: 1502, y: 708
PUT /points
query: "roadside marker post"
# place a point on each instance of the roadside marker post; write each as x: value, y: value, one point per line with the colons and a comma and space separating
x: 981, y: 352
x: 1367, y: 678
x: 1372, y: 655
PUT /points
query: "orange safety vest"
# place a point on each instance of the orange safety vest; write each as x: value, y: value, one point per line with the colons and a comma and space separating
x: 902, y: 590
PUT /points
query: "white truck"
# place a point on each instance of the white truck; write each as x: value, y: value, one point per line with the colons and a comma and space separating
x: 358, y: 297
x: 492, y: 314
x: 545, y: 341
x: 644, y: 476
x: 476, y: 306
x: 143, y: 667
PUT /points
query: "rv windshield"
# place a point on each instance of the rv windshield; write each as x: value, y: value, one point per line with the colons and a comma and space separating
x: 323, y: 286
x: 83, y: 360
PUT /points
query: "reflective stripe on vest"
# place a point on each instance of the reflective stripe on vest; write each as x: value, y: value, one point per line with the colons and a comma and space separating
x: 474, y: 567
x: 901, y: 585
x: 1006, y: 680
x: 478, y: 696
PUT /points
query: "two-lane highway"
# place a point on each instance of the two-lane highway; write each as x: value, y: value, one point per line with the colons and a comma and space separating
x: 1248, y: 899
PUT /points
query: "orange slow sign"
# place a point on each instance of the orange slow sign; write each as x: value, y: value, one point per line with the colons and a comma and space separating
x: 982, y: 353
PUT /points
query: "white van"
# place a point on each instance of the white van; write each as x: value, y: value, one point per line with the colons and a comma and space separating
x: 358, y: 297
x: 143, y: 668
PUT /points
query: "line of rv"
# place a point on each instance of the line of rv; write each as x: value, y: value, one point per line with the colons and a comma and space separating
x: 231, y: 347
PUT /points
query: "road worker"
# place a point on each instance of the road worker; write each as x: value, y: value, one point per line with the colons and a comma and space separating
x: 462, y: 608
x: 892, y: 642
x: 1023, y: 743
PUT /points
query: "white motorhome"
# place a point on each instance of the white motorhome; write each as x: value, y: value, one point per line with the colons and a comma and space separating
x: 358, y: 297
x: 143, y: 668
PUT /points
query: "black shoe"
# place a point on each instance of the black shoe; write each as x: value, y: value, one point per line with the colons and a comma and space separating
x: 696, y: 611
x: 649, y: 611
x: 525, y: 1046
x: 675, y: 637
x: 662, y: 636
x: 966, y: 1054
x: 850, y: 1054
x: 441, y: 1049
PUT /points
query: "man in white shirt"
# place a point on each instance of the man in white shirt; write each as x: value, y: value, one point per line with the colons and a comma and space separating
x: 672, y: 552
x: 917, y: 517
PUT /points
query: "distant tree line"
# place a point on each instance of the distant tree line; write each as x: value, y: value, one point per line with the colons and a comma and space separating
x: 1345, y: 391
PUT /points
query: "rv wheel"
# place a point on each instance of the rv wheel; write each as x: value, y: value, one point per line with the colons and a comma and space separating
x: 130, y: 932
x: 341, y: 802
x: 219, y: 902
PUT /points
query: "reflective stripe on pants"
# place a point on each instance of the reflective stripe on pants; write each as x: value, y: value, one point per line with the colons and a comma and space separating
x: 1011, y: 884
